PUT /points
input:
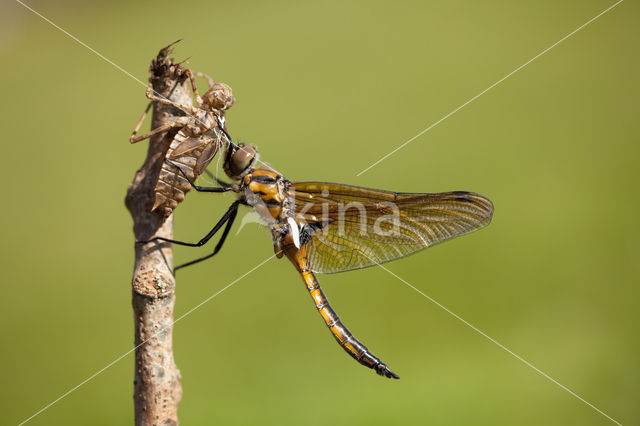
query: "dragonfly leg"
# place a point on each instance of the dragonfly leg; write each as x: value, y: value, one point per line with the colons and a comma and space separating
x: 197, y: 187
x: 227, y: 228
x: 133, y: 138
x: 194, y: 87
x: 344, y: 337
x: 192, y: 75
x: 179, y: 122
x: 233, y: 210
x: 219, y: 181
x: 210, y: 81
x: 186, y: 108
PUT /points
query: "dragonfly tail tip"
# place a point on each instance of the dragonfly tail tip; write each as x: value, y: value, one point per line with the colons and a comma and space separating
x: 383, y: 370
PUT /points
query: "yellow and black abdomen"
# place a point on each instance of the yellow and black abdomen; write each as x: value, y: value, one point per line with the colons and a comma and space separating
x: 344, y: 337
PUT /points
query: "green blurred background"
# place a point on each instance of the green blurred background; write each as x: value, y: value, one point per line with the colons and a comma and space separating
x: 324, y: 89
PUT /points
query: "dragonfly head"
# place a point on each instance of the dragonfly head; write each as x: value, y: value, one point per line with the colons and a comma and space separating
x: 239, y: 160
x: 219, y: 96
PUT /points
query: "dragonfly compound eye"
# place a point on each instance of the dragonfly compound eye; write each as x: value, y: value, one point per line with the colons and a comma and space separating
x: 239, y: 160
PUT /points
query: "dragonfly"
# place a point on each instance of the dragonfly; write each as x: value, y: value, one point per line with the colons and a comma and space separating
x: 324, y: 227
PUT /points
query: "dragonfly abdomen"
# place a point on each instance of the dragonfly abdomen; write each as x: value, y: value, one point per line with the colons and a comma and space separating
x: 347, y: 341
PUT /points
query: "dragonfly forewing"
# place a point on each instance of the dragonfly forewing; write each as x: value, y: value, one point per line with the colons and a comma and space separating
x: 356, y: 227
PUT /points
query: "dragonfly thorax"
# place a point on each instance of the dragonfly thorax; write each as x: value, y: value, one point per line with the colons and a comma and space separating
x: 267, y: 192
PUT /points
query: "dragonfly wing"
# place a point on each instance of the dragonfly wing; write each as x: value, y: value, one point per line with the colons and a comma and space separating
x: 355, y: 227
x: 210, y: 150
x: 190, y: 145
x: 196, y: 151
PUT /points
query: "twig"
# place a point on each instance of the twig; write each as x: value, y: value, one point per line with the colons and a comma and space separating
x: 157, y: 389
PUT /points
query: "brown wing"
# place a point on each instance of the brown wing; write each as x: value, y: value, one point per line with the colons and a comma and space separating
x: 196, y: 151
x: 192, y: 145
x: 357, y: 227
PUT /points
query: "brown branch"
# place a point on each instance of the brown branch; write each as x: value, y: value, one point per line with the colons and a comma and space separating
x: 157, y: 389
